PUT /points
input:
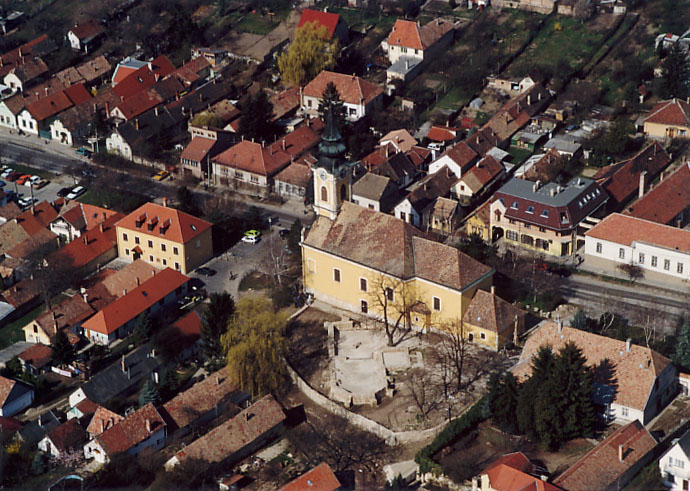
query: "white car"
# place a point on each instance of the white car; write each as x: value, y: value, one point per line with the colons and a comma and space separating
x: 31, y: 181
x: 76, y: 192
x: 24, y: 203
x: 6, y: 172
x: 251, y: 239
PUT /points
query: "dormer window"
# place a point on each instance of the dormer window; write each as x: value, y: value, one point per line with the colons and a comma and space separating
x: 545, y: 213
x: 514, y: 206
x: 530, y: 209
x: 564, y: 218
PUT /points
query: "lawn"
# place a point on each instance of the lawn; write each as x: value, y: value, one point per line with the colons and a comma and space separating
x: 255, y: 281
x: 257, y: 23
x: 357, y: 19
x: 454, y: 99
x: 519, y: 155
x: 12, y: 332
x: 116, y: 200
x: 30, y: 170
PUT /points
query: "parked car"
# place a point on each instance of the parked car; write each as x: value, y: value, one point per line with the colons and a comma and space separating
x: 64, y: 192
x: 252, y: 233
x: 206, y: 271
x: 76, y: 192
x: 84, y: 151
x: 251, y: 239
x: 13, y: 176
x: 22, y: 179
x: 41, y: 183
x: 159, y: 176
x: 24, y: 203
x: 6, y: 172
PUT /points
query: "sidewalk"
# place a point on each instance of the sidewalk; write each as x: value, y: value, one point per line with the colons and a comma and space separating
x: 32, y: 141
x: 640, y: 285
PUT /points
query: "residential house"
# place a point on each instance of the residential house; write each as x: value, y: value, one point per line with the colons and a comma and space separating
x: 36, y: 359
x: 119, y: 379
x: 31, y: 433
x: 668, y: 202
x: 485, y: 142
x: 638, y: 381
x: 82, y: 411
x: 399, y: 168
x: 285, y: 105
x: 613, y: 463
x: 375, y: 192
x: 116, y: 320
x: 204, y: 401
x: 12, y: 106
x: 84, y: 35
x: 37, y: 117
x: 125, y: 68
x: 65, y: 438
x: 564, y: 146
x: 15, y: 396
x: 662, y: 252
x: 214, y: 56
x: 415, y: 208
x: 343, y: 259
x: 512, y: 86
x: 517, y: 113
x: 143, y: 78
x: 144, y: 428
x: 410, y: 46
x: 74, y: 219
x: 11, y: 21
x: 668, y: 119
x: 493, y: 322
x: 479, y: 222
x: 72, y: 126
x: 511, y: 472
x: 528, y: 140
x: 444, y: 134
x: 67, y: 316
x: 25, y: 74
x: 102, y: 419
x: 37, y: 47
x: 401, y: 140
x: 238, y: 437
x: 543, y: 167
x: 544, y: 218
x: 187, y: 332
x: 90, y: 72
x: 165, y: 237
x: 478, y: 180
x: 196, y: 157
x: 459, y: 158
x: 320, y: 478
x: 193, y: 73
x: 674, y: 464
x: 623, y: 180
x: 293, y: 181
x: 335, y: 25
x: 445, y: 215
x: 359, y: 96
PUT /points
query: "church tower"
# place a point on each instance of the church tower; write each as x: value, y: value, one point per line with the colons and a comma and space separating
x: 332, y: 177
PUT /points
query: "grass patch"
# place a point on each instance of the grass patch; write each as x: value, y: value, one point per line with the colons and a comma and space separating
x: 359, y: 18
x: 12, y: 332
x: 31, y: 170
x: 116, y: 200
x: 255, y: 280
x: 454, y: 98
x: 519, y: 154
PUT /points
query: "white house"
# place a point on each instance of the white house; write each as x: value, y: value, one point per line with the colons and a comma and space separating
x: 116, y: 144
x: 359, y: 96
x: 83, y: 35
x: 26, y: 122
x: 9, y: 108
x: 675, y: 464
x: 458, y: 158
x: 15, y: 396
x: 68, y: 436
x: 661, y: 251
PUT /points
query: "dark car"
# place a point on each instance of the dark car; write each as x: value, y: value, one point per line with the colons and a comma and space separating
x: 64, y: 192
x: 284, y: 233
x: 562, y: 272
x: 206, y: 271
x: 14, y: 176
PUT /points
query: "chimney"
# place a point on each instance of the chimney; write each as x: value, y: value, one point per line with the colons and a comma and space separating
x: 40, y: 420
x: 165, y: 202
x: 620, y: 452
x: 85, y: 296
x: 124, y: 292
x: 217, y: 381
x: 107, y: 108
x: 627, y: 344
x: 407, y: 64
x: 643, y: 176
x: 102, y: 426
x: 560, y: 325
x: 100, y: 227
x: 283, y: 144
x: 138, y: 282
x: 155, y: 110
x: 86, y: 241
x: 493, y: 289
x: 136, y: 123
x: 529, y: 99
x: 148, y: 425
x: 123, y: 364
x: 516, y: 325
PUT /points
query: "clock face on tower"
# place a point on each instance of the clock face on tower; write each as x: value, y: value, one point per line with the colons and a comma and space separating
x: 322, y: 175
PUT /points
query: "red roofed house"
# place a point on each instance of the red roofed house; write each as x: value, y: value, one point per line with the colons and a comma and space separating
x: 143, y: 78
x: 30, y: 71
x: 668, y: 119
x: 68, y: 436
x: 197, y: 155
x: 164, y: 237
x: 75, y: 218
x: 492, y: 321
x: 117, y: 319
x: 293, y: 180
x: 661, y: 251
x: 15, y: 396
x: 103, y: 419
x: 612, y: 463
x: 37, y: 117
x: 36, y: 359
x: 638, y: 382
x: 320, y: 478
x: 238, y: 437
x: 145, y: 428
x: 512, y: 472
x: 478, y: 179
x: 335, y: 25
x: 668, y: 202
x: 459, y: 158
x: 187, y: 333
x: 443, y: 134
x: 622, y: 181
x: 359, y: 96
x: 84, y: 35
x: 125, y: 68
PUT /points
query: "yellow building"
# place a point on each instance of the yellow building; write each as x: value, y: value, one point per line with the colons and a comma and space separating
x: 479, y: 222
x: 491, y: 321
x: 668, y: 119
x: 365, y: 260
x: 164, y: 237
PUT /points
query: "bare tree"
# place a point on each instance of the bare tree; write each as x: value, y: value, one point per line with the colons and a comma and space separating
x: 392, y: 299
x: 651, y: 321
x: 423, y: 390
x: 453, y: 348
x: 632, y: 271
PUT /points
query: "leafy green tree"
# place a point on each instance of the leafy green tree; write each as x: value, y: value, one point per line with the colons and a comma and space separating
x: 143, y: 327
x: 206, y: 118
x: 681, y: 357
x: 475, y: 247
x: 542, y: 364
x: 63, y: 351
x: 257, y: 118
x: 309, y: 53
x: 149, y: 393
x: 675, y: 75
x: 330, y: 99
x: 214, y: 322
x: 255, y: 345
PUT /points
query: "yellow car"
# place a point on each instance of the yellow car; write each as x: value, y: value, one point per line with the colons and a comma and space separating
x: 161, y: 175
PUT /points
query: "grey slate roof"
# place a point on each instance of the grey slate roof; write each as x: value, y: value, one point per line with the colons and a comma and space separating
x: 522, y: 188
x: 370, y: 186
x: 32, y: 432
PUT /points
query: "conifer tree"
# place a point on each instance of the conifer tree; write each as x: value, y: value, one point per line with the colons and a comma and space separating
x: 541, y: 367
x: 214, y: 322
x: 63, y: 351
x: 149, y: 393
x: 681, y: 357
x: 330, y: 99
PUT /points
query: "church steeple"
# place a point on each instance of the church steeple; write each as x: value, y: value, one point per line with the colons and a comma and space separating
x: 331, y: 149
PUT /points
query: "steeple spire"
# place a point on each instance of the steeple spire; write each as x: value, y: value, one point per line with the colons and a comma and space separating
x: 331, y: 149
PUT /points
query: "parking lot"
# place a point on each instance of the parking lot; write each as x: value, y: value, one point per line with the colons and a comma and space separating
x: 49, y: 192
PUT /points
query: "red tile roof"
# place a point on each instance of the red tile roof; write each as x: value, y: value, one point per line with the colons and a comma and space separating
x: 635, y: 371
x: 325, y: 19
x: 83, y: 216
x: 37, y: 219
x: 482, y: 173
x: 87, y: 30
x: 139, y: 103
x: 51, y: 105
x: 191, y: 72
x: 143, y: 78
x: 38, y: 355
x: 666, y: 200
x: 66, y: 314
x: 68, y: 435
x: 674, y: 112
x: 128, y: 307
x: 320, y: 478
x: 131, y: 431
x: 188, y: 329
x: 352, y: 89
x: 408, y: 34
x: 91, y: 245
x: 601, y: 467
x: 512, y: 473
x: 164, y: 222
x: 492, y: 313
x: 442, y: 133
x: 462, y: 154
x: 621, y: 181
x: 625, y: 230
x: 253, y: 157
x: 103, y: 419
x: 295, y: 174
x: 198, y: 149
x: 87, y: 407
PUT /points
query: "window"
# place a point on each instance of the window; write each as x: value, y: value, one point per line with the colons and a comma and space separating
x: 403, y: 49
x: 621, y: 253
x: 308, y: 102
x: 667, y: 264
x: 527, y: 239
x: 676, y: 463
x: 136, y: 239
x: 512, y: 235
x: 35, y: 328
x: 254, y: 178
x: 365, y: 306
x: 165, y: 262
x: 324, y: 194
x: 511, y: 221
x: 545, y: 213
x: 437, y: 304
x: 624, y: 412
x: 177, y: 266
x: 163, y: 247
x: 679, y: 268
x: 198, y: 244
x: 641, y: 258
x: 528, y: 225
x: 336, y: 275
x: 599, y: 247
x: 530, y: 209
x: 175, y: 251
x: 542, y: 229
x: 353, y: 111
x: 514, y: 206
x: 150, y: 258
x: 390, y: 295
x: 363, y: 284
x: 124, y: 237
x: 564, y: 218
x: 311, y: 265
x: 126, y: 252
x: 150, y: 243
x: 239, y: 175
x: 654, y: 261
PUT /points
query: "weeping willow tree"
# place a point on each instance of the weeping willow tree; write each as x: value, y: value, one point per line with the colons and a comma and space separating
x: 255, y: 346
x: 309, y: 53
